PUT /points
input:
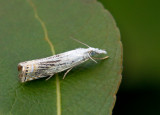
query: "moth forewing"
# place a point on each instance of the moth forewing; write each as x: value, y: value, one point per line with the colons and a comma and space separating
x: 47, y: 67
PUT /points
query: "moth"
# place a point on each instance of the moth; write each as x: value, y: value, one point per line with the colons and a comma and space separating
x: 47, y: 67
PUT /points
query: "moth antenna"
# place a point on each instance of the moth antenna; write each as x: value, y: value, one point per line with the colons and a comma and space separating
x: 80, y: 42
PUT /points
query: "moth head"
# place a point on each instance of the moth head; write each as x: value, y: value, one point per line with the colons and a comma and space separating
x: 92, y: 51
x: 95, y: 51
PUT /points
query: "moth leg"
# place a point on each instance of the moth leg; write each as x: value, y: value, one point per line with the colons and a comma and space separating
x: 92, y: 59
x: 49, y: 77
x: 101, y: 58
x: 67, y: 72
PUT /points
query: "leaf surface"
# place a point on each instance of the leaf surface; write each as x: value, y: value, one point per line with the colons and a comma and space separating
x: 37, y: 29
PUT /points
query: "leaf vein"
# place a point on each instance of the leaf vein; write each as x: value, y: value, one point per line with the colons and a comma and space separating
x: 58, y: 92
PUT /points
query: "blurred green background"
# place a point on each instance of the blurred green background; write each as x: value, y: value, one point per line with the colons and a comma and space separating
x: 139, y: 24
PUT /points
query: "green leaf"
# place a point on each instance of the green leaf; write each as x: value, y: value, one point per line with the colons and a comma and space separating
x: 37, y: 29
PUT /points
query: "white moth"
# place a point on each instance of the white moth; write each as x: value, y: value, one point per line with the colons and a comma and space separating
x: 47, y: 67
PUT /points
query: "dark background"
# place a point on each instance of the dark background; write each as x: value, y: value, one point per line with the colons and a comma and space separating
x: 139, y: 24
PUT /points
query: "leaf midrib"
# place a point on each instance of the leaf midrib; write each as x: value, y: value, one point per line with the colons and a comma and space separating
x: 58, y: 92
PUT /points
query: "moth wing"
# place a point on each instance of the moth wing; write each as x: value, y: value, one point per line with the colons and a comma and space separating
x: 46, y: 67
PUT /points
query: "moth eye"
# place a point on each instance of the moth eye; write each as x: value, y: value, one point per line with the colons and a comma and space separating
x: 19, y: 68
x: 92, y: 53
